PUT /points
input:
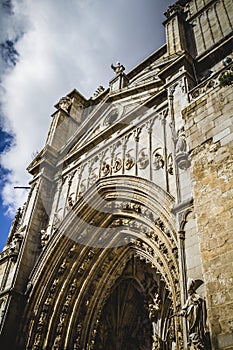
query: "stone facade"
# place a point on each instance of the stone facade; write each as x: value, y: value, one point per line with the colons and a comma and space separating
x: 125, y: 241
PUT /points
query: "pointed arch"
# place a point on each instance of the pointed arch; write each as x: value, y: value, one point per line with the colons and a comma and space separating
x: 119, y: 219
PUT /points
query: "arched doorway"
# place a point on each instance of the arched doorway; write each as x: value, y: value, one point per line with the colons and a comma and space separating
x: 137, y: 313
x: 122, y: 325
x: 89, y: 276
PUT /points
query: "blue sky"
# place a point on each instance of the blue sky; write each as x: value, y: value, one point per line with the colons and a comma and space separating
x: 48, y: 48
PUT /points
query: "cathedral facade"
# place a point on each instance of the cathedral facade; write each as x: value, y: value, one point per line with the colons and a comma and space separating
x: 125, y: 241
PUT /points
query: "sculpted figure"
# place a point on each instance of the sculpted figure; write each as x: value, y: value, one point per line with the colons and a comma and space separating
x: 182, y: 156
x: 118, y: 69
x: 194, y: 310
x: 158, y: 161
x: 143, y: 160
x: 105, y: 168
x: 154, y: 306
x: 117, y: 164
x: 65, y: 103
x: 44, y: 238
x: 181, y: 145
x: 129, y: 161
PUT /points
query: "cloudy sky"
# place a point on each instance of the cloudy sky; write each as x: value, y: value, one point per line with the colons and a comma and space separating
x: 49, y: 47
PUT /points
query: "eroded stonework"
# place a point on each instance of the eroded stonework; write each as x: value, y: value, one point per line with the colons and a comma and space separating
x: 125, y: 241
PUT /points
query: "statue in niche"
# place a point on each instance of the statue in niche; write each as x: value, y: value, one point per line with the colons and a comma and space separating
x: 170, y: 164
x: 17, y: 239
x: 118, y: 69
x: 78, y: 337
x: 57, y: 342
x: 105, y: 168
x: 117, y: 164
x: 70, y: 201
x: 37, y: 342
x: 181, y: 150
x: 194, y: 310
x: 158, y: 161
x: 154, y: 307
x: 57, y: 219
x: 143, y: 160
x: 65, y: 103
x: 181, y: 145
x: 83, y: 187
x: 44, y: 238
x: 129, y: 161
x: 93, y: 178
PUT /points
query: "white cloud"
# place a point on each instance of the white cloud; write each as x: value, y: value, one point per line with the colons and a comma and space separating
x: 65, y: 45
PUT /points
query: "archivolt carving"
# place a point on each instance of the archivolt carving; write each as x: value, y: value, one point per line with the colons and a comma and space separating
x: 88, y: 275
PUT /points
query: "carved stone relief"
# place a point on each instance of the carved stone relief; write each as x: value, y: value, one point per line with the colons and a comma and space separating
x: 65, y: 103
x: 129, y: 160
x: 143, y: 158
x: 117, y: 164
x: 158, y: 161
x: 181, y: 157
x: 105, y: 168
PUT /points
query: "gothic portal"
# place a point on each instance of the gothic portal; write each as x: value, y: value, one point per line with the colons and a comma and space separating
x: 125, y: 239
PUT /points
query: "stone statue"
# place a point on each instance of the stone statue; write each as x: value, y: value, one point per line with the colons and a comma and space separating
x: 118, y: 69
x: 70, y: 201
x: 65, y: 103
x: 105, y: 168
x: 158, y: 161
x: 194, y: 310
x: 182, y: 157
x: 154, y: 307
x: 117, y: 164
x: 44, y: 238
x: 181, y: 145
x: 17, y: 239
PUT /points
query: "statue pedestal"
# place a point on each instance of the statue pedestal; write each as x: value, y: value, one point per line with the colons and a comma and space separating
x: 182, y: 160
x: 119, y: 82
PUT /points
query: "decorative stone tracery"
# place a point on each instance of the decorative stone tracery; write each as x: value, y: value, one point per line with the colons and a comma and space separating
x: 137, y: 234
